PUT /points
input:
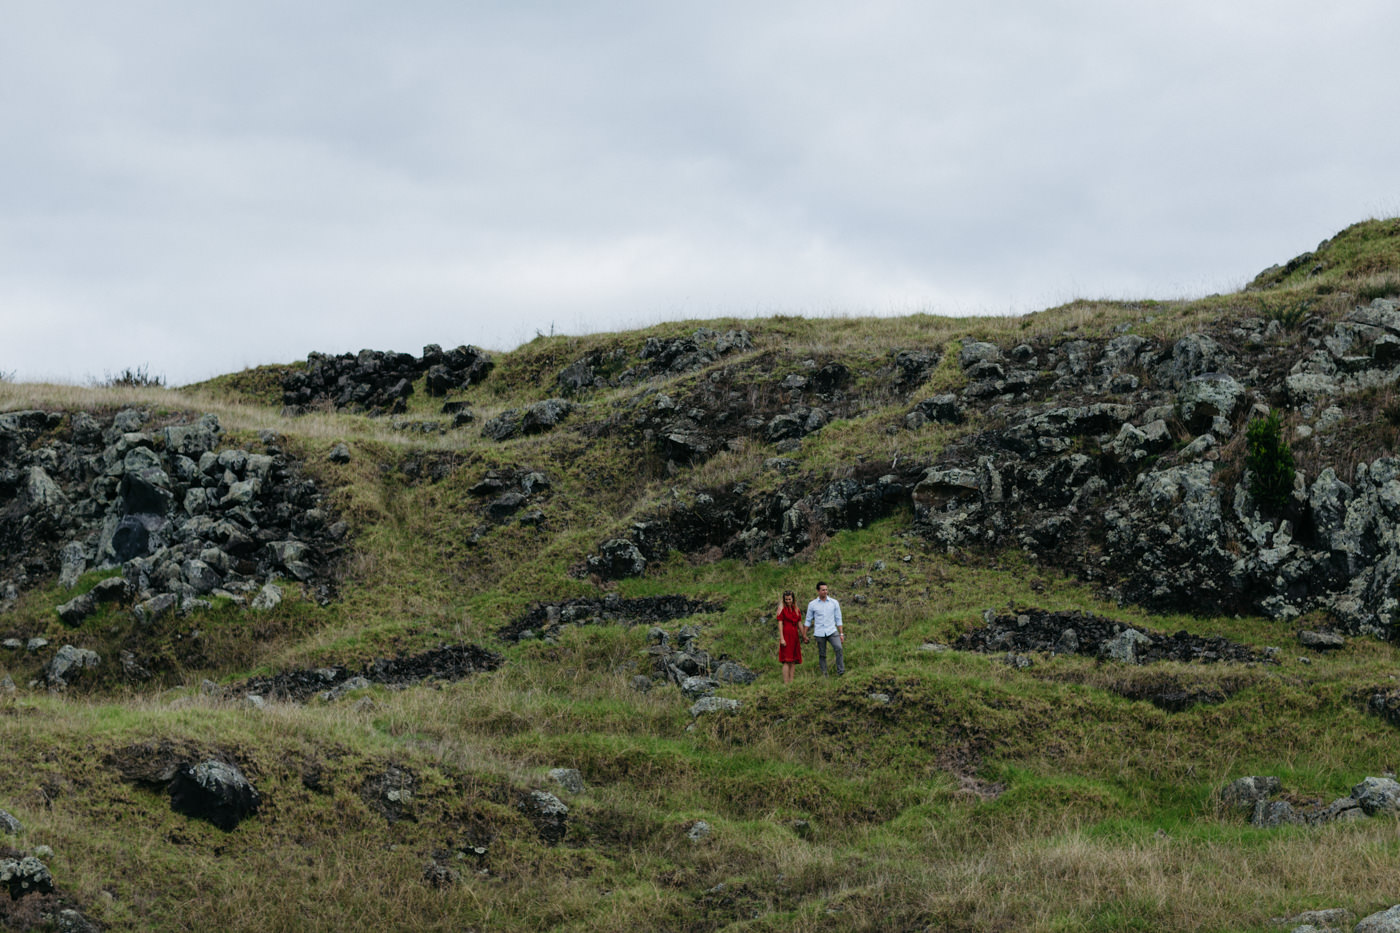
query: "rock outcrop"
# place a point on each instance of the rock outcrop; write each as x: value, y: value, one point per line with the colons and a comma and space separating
x: 181, y: 516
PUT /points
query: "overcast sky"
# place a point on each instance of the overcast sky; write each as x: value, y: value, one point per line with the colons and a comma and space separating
x: 201, y: 187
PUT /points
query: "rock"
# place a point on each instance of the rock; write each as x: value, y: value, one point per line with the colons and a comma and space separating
x: 25, y: 876
x: 696, y: 687
x: 1321, y: 641
x: 548, y: 814
x: 73, y: 612
x: 568, y: 778
x: 1377, y: 795
x: 708, y: 704
x: 73, y: 562
x: 1244, y: 793
x: 339, y: 454
x: 619, y: 558
x: 157, y: 607
x: 1125, y: 646
x: 641, y: 683
x: 1207, y: 397
x: 9, y: 825
x: 1270, y: 814
x: 1331, y: 919
x: 69, y: 662
x: 1384, y: 921
x: 699, y: 830
x: 215, y: 791
x: 358, y: 682
x: 732, y: 672
x: 268, y: 598
x: 194, y: 439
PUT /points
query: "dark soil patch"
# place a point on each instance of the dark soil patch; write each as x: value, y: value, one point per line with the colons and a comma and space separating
x: 1039, y: 630
x: 546, y: 618
x: 449, y: 662
x: 1171, y: 693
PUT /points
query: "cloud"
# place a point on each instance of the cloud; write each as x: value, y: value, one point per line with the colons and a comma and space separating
x: 212, y: 186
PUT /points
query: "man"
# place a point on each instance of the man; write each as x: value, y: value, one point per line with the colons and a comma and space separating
x: 824, y: 619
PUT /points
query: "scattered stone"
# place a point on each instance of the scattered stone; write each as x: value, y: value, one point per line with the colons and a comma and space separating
x: 10, y: 825
x: 699, y: 830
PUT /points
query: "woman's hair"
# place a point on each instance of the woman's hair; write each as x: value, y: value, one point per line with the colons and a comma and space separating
x: 787, y: 593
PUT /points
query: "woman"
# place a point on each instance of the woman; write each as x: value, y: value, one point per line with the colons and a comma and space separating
x: 790, y: 635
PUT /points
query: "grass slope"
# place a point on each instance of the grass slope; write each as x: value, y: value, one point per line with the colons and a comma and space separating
x: 980, y: 797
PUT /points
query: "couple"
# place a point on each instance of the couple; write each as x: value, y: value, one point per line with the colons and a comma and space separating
x: 823, y: 618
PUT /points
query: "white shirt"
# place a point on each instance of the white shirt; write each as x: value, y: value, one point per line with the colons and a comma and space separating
x: 823, y: 616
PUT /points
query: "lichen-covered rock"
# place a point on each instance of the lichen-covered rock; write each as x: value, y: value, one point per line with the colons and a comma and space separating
x: 710, y: 704
x: 1382, y: 921
x: 1377, y: 795
x: 68, y: 662
x: 548, y: 813
x: 25, y: 876
x: 568, y: 778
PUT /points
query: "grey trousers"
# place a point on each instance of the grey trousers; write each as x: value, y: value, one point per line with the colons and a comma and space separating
x: 835, y: 641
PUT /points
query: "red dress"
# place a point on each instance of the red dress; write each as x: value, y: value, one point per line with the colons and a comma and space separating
x: 790, y: 653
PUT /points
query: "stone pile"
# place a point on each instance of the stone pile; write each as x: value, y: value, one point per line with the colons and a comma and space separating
x: 380, y: 382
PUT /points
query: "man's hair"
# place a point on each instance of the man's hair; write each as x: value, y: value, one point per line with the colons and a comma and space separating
x: 821, y: 583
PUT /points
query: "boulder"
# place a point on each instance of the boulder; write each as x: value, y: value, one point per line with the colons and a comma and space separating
x: 25, y: 876
x: 215, y: 791
x: 1377, y: 795
x: 69, y: 662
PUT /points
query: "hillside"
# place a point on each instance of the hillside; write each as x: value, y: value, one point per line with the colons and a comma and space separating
x: 468, y: 640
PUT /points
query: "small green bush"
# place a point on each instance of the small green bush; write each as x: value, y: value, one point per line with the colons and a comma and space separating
x: 1270, y: 463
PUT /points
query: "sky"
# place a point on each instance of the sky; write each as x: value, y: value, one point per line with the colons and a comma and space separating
x: 198, y: 188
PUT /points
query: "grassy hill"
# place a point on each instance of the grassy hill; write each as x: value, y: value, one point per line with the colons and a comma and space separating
x: 929, y: 789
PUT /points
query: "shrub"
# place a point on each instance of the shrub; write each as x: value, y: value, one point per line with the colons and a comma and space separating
x: 137, y: 378
x: 1270, y: 463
